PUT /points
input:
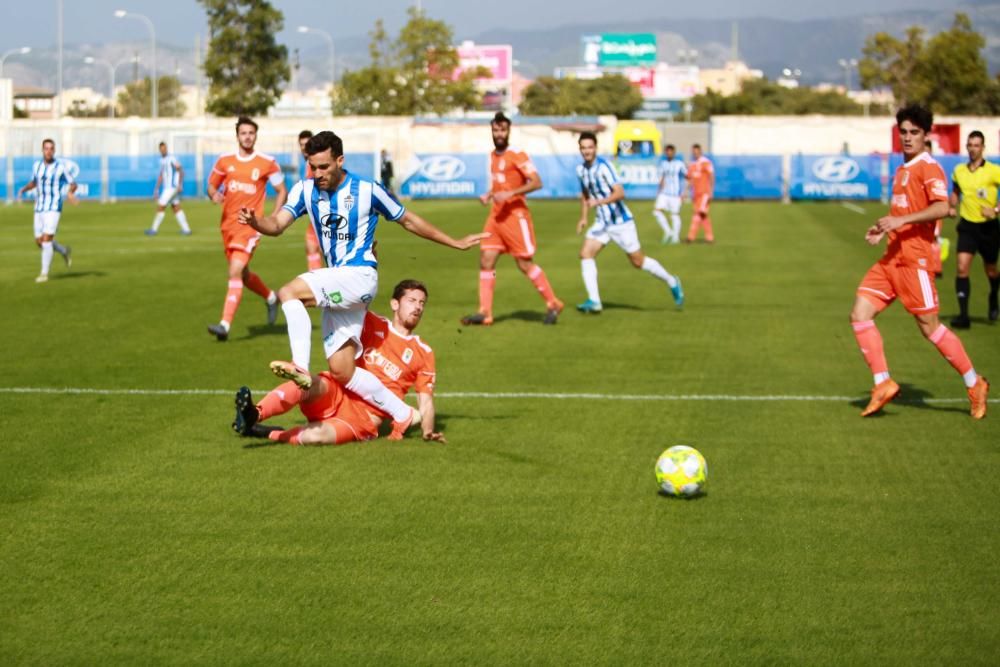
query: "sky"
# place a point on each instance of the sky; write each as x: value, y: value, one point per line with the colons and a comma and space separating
x: 33, y: 22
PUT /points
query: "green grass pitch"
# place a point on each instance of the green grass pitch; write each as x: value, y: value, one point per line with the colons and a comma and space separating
x: 138, y: 529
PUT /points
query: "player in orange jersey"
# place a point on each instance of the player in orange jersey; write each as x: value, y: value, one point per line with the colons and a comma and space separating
x: 919, y: 198
x: 391, y: 351
x: 238, y: 181
x: 512, y: 176
x: 701, y: 178
x: 314, y: 255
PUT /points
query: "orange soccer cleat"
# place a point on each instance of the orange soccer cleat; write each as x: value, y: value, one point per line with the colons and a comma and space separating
x: 883, y: 392
x: 977, y: 398
x: 480, y: 319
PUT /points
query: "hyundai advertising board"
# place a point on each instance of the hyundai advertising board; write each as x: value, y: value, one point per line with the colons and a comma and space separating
x: 836, y: 177
x: 447, y: 176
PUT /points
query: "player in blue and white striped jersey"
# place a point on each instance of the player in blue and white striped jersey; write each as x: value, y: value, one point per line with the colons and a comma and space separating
x: 344, y: 211
x: 170, y: 184
x: 48, y: 176
x: 601, y: 191
x: 673, y: 177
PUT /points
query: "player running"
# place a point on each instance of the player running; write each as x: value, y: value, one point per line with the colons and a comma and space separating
x: 673, y: 175
x: 392, y: 353
x: 509, y: 225
x: 344, y: 209
x: 701, y: 177
x: 975, y: 183
x: 314, y: 255
x: 919, y: 198
x: 170, y: 184
x: 239, y: 181
x: 49, y: 175
x: 601, y: 190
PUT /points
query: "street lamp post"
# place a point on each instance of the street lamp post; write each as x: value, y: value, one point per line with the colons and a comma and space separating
x: 21, y: 51
x: 121, y: 14
x: 847, y: 64
x: 329, y: 40
x: 111, y: 74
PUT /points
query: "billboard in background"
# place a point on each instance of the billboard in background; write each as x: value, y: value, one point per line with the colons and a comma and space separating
x: 618, y: 49
x: 497, y: 58
x: 446, y: 176
x: 836, y: 177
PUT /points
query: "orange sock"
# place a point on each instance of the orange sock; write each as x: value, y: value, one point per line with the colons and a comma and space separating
x: 951, y: 348
x: 487, y: 281
x: 233, y: 297
x: 280, y: 400
x: 537, y: 276
x: 315, y: 261
x: 870, y: 342
x: 257, y: 285
x: 291, y: 436
x: 709, y: 236
x: 693, y: 231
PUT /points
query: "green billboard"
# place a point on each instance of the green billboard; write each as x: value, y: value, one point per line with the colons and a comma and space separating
x: 635, y: 49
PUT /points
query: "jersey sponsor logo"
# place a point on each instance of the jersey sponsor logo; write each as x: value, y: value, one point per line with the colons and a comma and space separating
x: 937, y: 187
x: 333, y: 220
x: 442, y: 168
x: 375, y: 359
x: 836, y: 169
x: 900, y: 201
x: 240, y: 186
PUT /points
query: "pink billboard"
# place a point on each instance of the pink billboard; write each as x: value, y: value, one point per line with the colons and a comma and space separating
x: 497, y: 58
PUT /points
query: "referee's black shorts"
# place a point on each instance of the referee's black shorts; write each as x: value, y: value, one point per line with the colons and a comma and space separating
x: 981, y: 237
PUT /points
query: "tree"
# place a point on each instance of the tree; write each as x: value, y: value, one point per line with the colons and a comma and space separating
x: 947, y: 73
x: 136, y: 99
x: 410, y: 74
x: 764, y: 97
x: 245, y: 67
x: 610, y: 94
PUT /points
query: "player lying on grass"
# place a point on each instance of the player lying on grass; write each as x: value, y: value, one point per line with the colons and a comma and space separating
x: 398, y: 358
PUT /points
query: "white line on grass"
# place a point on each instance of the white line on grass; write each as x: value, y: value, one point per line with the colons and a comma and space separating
x: 852, y: 207
x: 488, y: 395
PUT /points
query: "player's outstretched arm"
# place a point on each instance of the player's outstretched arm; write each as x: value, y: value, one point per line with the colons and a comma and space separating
x: 414, y: 224
x: 425, y: 403
x: 270, y: 225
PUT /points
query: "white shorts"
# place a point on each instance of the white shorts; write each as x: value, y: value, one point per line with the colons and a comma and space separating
x: 343, y: 292
x: 46, y: 222
x: 624, y: 235
x: 669, y: 203
x: 169, y: 196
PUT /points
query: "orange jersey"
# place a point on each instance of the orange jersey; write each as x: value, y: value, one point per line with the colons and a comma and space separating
x: 399, y: 361
x: 917, y: 184
x: 700, y: 173
x: 245, y: 180
x: 508, y: 171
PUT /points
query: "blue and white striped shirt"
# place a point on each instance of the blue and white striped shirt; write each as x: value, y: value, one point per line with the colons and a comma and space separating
x: 596, y: 181
x: 49, y: 178
x: 345, y: 219
x: 168, y: 171
x: 672, y: 173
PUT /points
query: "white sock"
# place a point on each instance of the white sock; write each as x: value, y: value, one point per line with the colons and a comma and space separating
x: 46, y: 257
x: 675, y: 220
x: 650, y: 265
x: 881, y: 377
x: 970, y: 378
x: 372, y: 391
x: 271, y: 298
x: 299, y: 332
x: 58, y: 247
x: 589, y: 269
x: 157, y: 220
x: 182, y: 221
x: 225, y: 325
x: 661, y: 220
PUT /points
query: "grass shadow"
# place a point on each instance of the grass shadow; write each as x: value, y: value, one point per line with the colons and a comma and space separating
x: 78, y: 274
x: 911, y: 396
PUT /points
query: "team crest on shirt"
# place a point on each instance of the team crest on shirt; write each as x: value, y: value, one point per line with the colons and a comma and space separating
x: 904, y: 178
x: 407, y: 355
x: 348, y: 202
x: 255, y: 174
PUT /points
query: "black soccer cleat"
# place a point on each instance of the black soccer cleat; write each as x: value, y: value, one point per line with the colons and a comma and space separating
x: 220, y: 332
x: 263, y: 431
x: 960, y: 322
x: 246, y: 412
x: 272, y: 313
x: 994, y: 308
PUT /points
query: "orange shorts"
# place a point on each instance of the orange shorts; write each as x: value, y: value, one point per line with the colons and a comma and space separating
x: 701, y: 203
x: 513, y: 234
x: 350, y: 417
x: 239, y: 238
x: 914, y: 287
x: 311, y: 239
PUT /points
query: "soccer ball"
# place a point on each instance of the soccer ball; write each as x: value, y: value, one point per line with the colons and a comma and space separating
x: 681, y: 471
